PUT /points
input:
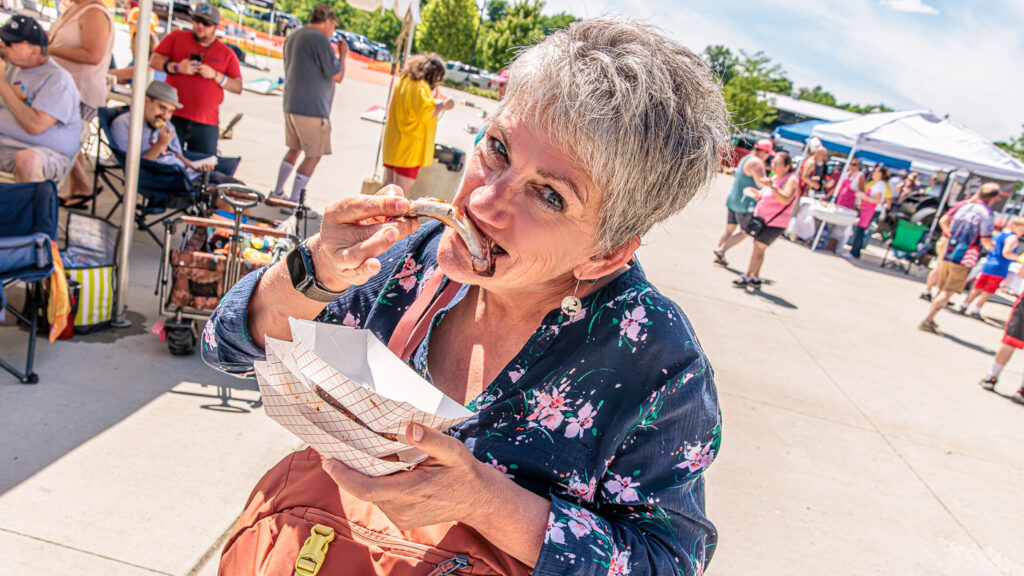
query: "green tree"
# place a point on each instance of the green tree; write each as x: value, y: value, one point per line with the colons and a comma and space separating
x: 1014, y: 146
x: 448, y: 28
x: 497, y: 10
x: 817, y: 94
x: 498, y: 40
x: 746, y: 92
x: 558, y: 21
x: 866, y: 108
x: 721, y: 61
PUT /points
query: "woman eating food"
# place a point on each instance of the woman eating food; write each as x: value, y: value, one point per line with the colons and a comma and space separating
x: 595, y: 409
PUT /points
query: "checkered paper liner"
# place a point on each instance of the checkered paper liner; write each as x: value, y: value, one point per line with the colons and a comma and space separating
x: 286, y: 381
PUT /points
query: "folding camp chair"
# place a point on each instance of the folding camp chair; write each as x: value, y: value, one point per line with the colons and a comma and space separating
x: 28, y: 222
x: 164, y: 189
x: 906, y: 240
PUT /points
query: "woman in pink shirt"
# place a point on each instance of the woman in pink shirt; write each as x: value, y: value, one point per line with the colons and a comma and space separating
x: 774, y: 206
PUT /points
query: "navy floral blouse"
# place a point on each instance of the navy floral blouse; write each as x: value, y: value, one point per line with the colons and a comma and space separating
x: 611, y: 414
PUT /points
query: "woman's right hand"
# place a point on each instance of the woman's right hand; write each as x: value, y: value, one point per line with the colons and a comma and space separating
x: 354, y: 232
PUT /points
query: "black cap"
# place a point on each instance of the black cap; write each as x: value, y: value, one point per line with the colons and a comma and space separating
x: 23, y: 29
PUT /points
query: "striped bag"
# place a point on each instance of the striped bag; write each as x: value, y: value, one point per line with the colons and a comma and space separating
x: 90, y: 257
x: 96, y: 299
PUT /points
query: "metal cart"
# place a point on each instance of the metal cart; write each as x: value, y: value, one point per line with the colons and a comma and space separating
x: 183, y: 321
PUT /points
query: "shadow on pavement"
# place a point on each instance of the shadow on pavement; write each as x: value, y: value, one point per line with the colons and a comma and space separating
x: 966, y: 344
x: 777, y: 300
x: 88, y: 385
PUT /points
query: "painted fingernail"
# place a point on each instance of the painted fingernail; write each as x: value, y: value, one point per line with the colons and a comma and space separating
x: 417, y: 432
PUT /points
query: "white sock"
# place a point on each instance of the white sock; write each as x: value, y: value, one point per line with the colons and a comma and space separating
x: 995, y: 370
x: 283, y: 173
x: 298, y: 186
x: 927, y: 291
x: 974, y: 310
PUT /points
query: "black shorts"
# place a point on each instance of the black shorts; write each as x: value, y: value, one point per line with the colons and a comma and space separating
x: 740, y: 218
x: 769, y: 234
x: 1013, y: 334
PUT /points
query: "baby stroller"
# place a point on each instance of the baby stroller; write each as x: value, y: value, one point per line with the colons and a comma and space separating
x: 203, y: 257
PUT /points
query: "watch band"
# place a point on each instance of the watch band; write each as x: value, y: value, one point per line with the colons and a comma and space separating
x: 303, y: 275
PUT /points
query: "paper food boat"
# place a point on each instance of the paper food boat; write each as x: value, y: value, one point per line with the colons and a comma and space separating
x: 342, y: 391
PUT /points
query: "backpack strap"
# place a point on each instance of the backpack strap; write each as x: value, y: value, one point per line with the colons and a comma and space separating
x: 415, y: 323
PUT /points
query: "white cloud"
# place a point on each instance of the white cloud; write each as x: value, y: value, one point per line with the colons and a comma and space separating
x: 914, y: 6
x: 861, y: 53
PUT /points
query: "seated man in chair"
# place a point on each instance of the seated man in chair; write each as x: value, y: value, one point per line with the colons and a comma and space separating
x: 159, y: 141
x: 40, y: 121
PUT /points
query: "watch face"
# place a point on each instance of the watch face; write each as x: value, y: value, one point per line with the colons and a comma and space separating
x: 297, y: 269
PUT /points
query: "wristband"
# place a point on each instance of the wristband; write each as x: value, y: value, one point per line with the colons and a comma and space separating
x: 166, y: 62
x: 223, y: 79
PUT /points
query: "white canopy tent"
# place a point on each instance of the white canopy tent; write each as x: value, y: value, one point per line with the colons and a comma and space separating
x: 920, y: 136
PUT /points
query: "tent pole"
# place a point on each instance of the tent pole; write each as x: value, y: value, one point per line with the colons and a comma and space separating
x: 132, y: 173
x: 942, y: 202
x: 412, y: 33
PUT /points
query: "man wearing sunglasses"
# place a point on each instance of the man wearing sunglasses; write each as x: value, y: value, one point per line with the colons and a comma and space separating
x: 40, y: 120
x: 201, y: 68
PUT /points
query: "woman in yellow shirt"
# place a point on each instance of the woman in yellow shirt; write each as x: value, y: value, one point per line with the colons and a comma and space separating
x: 412, y: 120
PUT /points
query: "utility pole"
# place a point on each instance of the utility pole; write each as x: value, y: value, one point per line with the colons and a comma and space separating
x: 472, y: 59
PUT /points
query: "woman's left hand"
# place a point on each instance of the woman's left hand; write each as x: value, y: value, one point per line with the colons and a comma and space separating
x: 450, y: 485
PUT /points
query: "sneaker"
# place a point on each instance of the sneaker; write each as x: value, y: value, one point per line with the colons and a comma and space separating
x: 756, y: 283
x: 1018, y: 396
x: 847, y: 255
x: 742, y: 282
x: 988, y: 383
x: 927, y: 326
x: 975, y: 314
x: 720, y: 258
x: 926, y: 296
x: 962, y: 310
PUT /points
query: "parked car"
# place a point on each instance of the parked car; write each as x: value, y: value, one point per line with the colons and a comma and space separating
x: 356, y: 43
x: 383, y: 54
x: 465, y: 74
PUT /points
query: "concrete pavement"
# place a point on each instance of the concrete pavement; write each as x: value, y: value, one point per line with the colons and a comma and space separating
x: 853, y: 443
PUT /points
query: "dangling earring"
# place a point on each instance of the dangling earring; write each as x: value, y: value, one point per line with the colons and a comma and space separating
x: 571, y: 305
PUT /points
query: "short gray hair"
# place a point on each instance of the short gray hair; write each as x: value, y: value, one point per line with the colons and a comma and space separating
x: 644, y: 115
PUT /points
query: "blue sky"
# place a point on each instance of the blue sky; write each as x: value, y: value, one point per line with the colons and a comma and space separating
x: 962, y: 58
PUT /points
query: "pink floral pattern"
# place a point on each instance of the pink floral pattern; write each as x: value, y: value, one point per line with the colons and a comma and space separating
x: 632, y: 323
x: 581, y: 422
x: 697, y: 457
x: 622, y: 489
x: 407, y: 275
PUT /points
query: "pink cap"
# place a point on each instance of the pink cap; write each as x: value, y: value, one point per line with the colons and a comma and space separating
x: 766, y: 145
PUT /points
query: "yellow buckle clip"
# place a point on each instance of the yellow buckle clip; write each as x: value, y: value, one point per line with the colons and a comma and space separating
x: 313, y: 551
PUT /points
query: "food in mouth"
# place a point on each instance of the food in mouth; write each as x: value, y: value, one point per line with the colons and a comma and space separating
x: 159, y: 124
x: 481, y: 248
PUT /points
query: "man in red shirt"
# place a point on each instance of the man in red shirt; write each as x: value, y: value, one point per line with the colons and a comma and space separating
x: 201, y: 68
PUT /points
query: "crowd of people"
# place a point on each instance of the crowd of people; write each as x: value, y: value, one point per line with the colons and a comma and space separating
x: 761, y: 203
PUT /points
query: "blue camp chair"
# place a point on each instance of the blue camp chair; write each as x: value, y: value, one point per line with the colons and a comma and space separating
x: 163, y: 189
x: 905, y: 242
x: 28, y: 222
